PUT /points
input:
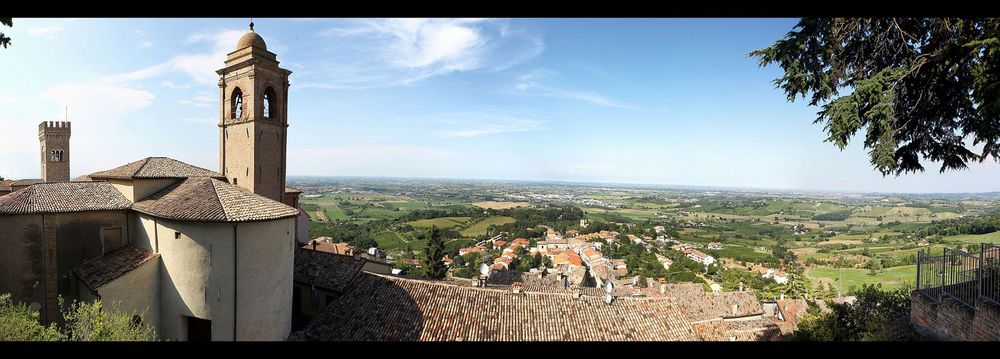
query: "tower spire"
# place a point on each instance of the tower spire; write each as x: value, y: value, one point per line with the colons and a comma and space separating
x: 251, y: 24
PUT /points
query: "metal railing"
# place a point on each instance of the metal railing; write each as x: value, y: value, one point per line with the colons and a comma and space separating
x: 963, y: 276
x: 990, y: 277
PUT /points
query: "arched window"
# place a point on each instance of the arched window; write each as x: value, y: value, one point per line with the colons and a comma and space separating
x: 237, y: 102
x: 269, y: 97
x: 57, y: 155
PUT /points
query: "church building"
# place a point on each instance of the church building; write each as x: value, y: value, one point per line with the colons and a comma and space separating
x: 203, y: 255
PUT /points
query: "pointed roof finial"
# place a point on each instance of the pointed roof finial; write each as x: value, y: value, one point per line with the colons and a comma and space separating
x: 251, y: 24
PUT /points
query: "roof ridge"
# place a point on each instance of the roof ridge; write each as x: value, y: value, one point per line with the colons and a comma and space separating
x: 145, y: 161
x: 218, y: 198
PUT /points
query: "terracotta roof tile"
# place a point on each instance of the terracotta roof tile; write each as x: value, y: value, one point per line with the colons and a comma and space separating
x: 385, y: 308
x: 332, y: 271
x: 211, y: 200
x: 104, y: 269
x: 59, y: 197
x: 155, y: 167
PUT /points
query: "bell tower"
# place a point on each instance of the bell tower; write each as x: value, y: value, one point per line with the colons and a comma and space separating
x: 253, y: 120
x: 54, y: 139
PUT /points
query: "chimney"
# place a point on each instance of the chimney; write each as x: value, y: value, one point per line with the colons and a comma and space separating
x: 637, y: 292
x: 515, y: 288
x: 663, y: 288
x: 782, y: 296
x: 741, y: 286
x: 314, y: 245
x: 736, y: 309
x: 576, y: 293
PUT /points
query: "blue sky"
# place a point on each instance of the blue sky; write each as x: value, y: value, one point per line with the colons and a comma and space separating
x: 661, y: 101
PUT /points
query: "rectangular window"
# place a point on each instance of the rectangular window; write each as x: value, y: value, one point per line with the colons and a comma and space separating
x: 177, y: 235
x: 111, y: 238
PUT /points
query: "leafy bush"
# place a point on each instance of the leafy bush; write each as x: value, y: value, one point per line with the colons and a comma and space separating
x: 83, y: 322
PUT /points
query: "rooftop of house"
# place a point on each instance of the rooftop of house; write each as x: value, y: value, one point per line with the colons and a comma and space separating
x: 26, y: 182
x: 154, y: 167
x: 101, y: 270
x: 330, y: 271
x: 61, y: 197
x: 211, y: 200
x: 384, y: 308
x: 329, y: 247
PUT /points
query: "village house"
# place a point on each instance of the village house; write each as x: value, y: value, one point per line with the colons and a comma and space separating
x: 698, y: 256
x: 714, y: 246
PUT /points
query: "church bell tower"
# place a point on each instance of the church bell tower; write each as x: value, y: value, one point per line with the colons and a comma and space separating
x: 253, y: 121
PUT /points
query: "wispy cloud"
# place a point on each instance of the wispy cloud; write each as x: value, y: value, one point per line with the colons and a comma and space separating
x: 531, y: 83
x: 399, y: 52
x: 143, y: 42
x: 45, y: 31
x: 202, y: 99
x: 480, y: 124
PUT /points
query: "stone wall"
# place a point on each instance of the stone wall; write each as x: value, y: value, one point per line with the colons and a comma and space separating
x: 951, y: 320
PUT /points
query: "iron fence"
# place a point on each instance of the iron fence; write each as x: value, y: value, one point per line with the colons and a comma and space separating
x: 990, y: 282
x: 963, y: 276
x: 929, y: 275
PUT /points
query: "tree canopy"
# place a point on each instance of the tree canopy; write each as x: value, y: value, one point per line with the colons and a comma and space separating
x: 4, y: 39
x: 919, y: 87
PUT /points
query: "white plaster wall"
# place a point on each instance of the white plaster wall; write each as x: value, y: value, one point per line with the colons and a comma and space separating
x: 196, y: 277
x: 197, y: 274
x: 266, y: 262
x: 137, y: 291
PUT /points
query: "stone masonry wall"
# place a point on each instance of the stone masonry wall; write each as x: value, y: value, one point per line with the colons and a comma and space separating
x: 950, y: 320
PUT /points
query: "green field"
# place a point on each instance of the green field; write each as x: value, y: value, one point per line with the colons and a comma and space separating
x: 443, y: 222
x: 976, y: 238
x: 845, y: 278
x: 479, y: 228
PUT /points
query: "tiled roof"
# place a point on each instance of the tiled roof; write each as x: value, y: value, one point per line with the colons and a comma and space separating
x: 211, y: 200
x: 103, y: 269
x: 384, y: 308
x: 292, y: 190
x: 58, y: 197
x: 156, y: 167
x: 333, y: 271
x: 26, y: 182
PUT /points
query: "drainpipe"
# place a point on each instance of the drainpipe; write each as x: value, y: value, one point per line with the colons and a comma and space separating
x: 235, y: 281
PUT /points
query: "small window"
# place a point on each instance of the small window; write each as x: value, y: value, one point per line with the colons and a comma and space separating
x: 177, y: 235
x: 236, y: 182
x: 269, y: 96
x: 56, y: 155
x: 237, y: 103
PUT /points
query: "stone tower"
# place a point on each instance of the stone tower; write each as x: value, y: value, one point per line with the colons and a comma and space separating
x: 253, y: 119
x: 54, y: 138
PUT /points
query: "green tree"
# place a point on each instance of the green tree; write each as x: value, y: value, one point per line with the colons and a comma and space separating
x: 20, y: 323
x: 4, y: 39
x: 91, y: 322
x: 83, y: 321
x: 919, y: 87
x: 435, y: 268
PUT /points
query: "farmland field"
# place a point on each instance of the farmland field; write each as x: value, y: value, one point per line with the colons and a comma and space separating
x: 845, y: 278
x: 443, y: 222
x: 500, y: 205
x: 479, y: 228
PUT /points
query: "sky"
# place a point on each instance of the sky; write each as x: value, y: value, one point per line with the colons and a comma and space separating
x: 653, y: 101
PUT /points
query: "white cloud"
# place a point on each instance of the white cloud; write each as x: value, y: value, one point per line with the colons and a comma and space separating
x: 171, y: 85
x: 45, y: 31
x: 99, y: 103
x: 479, y: 124
x: 531, y: 83
x: 392, y: 52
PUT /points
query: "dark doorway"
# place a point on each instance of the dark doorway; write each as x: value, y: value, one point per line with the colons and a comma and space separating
x: 199, y: 330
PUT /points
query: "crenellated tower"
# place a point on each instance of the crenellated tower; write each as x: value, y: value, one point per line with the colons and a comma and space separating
x: 54, y: 139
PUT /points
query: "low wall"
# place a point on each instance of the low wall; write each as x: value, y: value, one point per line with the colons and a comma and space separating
x: 951, y: 320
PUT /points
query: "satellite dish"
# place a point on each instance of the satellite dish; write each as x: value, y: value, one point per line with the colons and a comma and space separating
x: 484, y: 269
